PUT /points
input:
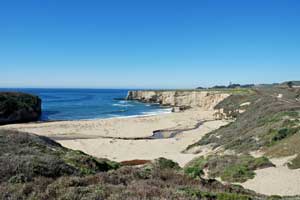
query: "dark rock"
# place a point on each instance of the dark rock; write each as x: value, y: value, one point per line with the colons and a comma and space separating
x: 180, y: 108
x: 18, y: 107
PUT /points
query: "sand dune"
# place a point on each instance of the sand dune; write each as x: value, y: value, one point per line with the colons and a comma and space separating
x: 279, y: 180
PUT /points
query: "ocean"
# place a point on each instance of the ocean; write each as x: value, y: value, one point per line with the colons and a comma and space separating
x: 85, y: 104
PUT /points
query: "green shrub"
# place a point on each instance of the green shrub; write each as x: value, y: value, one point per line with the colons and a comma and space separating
x: 88, y: 164
x: 231, y: 168
x: 232, y: 196
x: 284, y: 132
x: 295, y: 163
x: 198, y: 194
x: 259, y: 163
x: 164, y: 163
x: 195, y: 167
x: 237, y: 173
x: 194, y: 172
x: 274, y: 197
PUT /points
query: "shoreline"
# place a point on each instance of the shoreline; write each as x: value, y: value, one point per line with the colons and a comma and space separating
x: 167, y: 111
x: 127, y: 138
x: 95, y: 119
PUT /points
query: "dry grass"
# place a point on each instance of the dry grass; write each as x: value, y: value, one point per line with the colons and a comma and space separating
x: 269, y: 122
x: 34, y: 167
x: 230, y: 168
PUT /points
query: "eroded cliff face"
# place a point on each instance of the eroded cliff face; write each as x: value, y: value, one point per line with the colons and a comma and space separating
x: 180, y: 99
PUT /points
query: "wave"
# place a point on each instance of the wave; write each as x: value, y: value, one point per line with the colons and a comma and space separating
x: 115, y: 114
x: 145, y: 114
x: 162, y: 111
x: 115, y: 111
x: 122, y: 105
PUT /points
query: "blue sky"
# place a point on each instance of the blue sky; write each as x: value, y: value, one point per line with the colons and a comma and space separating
x: 148, y: 43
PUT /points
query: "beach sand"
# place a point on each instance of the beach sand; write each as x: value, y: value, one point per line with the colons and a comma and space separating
x: 279, y: 180
x: 123, y: 139
x: 101, y: 137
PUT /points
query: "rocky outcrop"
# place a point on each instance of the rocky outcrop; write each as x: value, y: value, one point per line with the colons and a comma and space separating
x: 19, y: 107
x: 179, y: 99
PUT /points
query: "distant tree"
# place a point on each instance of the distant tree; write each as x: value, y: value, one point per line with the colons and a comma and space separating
x: 290, y: 84
x: 219, y: 87
x: 247, y: 86
x: 234, y: 86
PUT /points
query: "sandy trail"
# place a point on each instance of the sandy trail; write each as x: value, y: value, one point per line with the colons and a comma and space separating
x: 279, y: 180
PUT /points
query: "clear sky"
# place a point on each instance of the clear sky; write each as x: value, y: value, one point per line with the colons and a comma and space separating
x: 148, y: 43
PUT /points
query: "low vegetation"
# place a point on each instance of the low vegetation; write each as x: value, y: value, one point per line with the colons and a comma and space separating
x: 230, y: 168
x: 295, y: 163
x: 289, y: 146
x: 35, y: 167
x: 24, y: 156
x: 271, y: 116
x: 125, y: 183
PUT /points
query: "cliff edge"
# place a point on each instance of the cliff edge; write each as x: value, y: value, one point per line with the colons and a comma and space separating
x: 18, y: 107
x: 179, y: 99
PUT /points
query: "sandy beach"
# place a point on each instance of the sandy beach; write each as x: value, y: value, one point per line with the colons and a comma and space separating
x: 122, y: 139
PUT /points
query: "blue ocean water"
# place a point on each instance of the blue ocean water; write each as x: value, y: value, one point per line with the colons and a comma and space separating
x: 76, y: 104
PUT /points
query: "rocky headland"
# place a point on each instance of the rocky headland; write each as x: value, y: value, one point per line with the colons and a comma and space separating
x: 179, y: 99
x: 18, y: 107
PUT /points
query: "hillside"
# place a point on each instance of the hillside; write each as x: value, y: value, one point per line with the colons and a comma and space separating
x: 35, y: 167
x: 266, y: 121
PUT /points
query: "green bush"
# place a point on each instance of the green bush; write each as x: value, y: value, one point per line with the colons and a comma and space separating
x: 195, y: 167
x: 194, y: 172
x: 295, y: 163
x: 274, y: 197
x: 237, y: 173
x: 230, y: 196
x: 285, y: 132
x: 231, y: 168
x: 164, y: 163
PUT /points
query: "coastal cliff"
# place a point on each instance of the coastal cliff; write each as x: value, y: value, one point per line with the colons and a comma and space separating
x: 179, y: 99
x: 18, y: 107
